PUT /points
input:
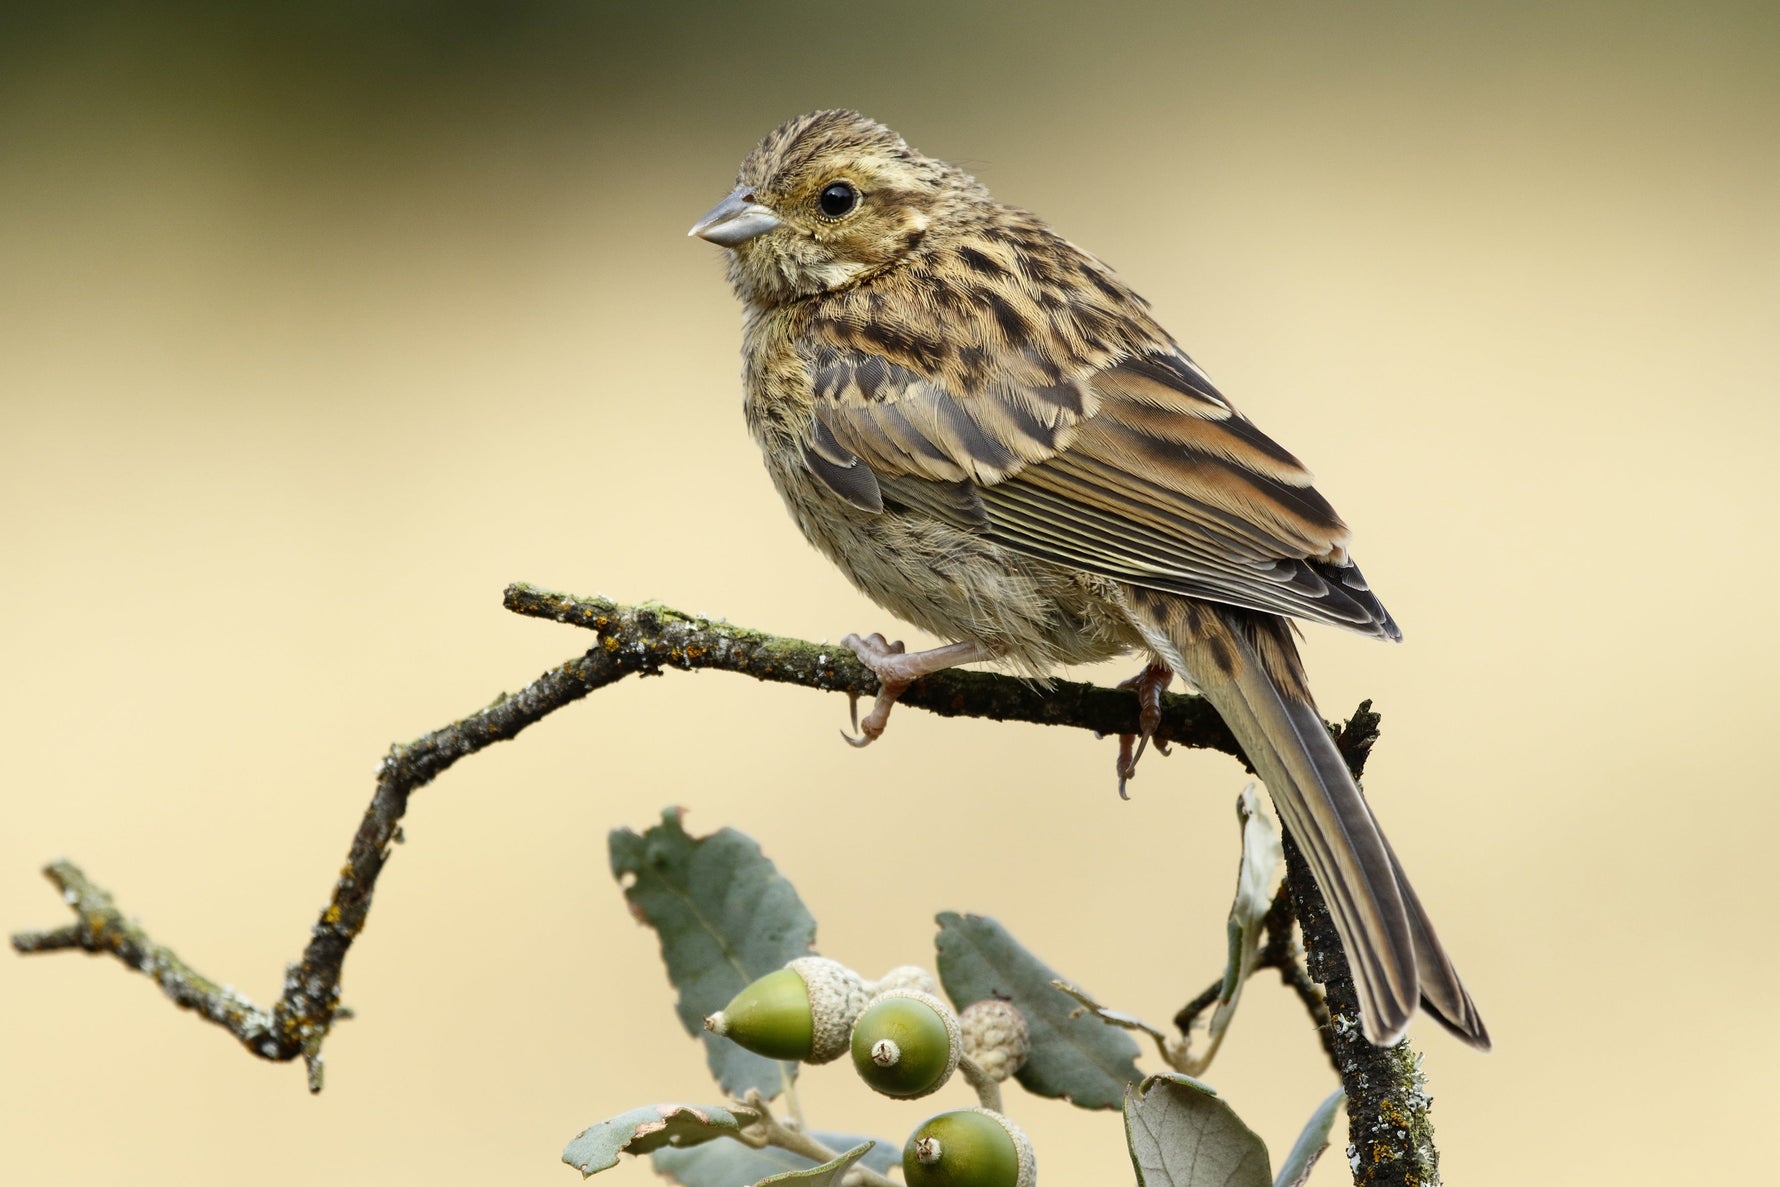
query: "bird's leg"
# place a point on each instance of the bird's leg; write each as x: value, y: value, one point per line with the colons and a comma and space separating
x: 1149, y: 685
x: 896, y: 668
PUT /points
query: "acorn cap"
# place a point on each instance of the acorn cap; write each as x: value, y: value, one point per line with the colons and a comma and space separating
x: 905, y: 976
x: 969, y: 1148
x: 995, y: 1036
x: 837, y: 995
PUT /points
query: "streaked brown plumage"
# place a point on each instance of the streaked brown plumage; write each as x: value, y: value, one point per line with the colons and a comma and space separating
x: 992, y: 437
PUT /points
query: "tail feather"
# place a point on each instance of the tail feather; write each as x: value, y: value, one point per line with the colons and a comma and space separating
x: 1248, y: 668
x: 1443, y: 994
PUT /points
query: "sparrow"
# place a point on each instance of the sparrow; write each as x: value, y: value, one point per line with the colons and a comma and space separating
x: 991, y: 436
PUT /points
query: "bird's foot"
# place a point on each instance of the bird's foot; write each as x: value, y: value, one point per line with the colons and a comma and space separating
x: 896, y: 668
x: 1149, y: 685
x: 878, y: 654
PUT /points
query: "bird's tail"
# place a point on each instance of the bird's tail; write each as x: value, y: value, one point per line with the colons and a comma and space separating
x: 1247, y: 666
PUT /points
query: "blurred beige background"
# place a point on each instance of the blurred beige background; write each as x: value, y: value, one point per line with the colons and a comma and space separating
x: 316, y: 329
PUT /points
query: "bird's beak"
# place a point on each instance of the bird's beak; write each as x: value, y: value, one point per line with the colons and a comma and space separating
x: 736, y: 219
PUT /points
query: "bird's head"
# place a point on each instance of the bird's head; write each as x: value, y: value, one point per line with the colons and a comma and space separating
x: 826, y: 200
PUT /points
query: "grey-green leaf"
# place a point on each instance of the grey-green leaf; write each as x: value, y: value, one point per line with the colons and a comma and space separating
x: 826, y: 1175
x: 1182, y: 1134
x: 1261, y: 856
x: 880, y: 1156
x: 725, y: 1164
x: 1075, y: 1056
x: 649, y: 1128
x: 724, y: 916
x: 1310, y: 1144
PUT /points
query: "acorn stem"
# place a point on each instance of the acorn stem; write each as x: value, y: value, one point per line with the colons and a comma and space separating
x: 987, y: 1087
x: 768, y: 1130
x: 788, y: 1080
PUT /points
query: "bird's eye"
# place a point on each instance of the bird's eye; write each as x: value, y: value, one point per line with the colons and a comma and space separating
x: 838, y: 199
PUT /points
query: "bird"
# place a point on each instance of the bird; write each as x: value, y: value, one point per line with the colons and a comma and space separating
x: 991, y: 436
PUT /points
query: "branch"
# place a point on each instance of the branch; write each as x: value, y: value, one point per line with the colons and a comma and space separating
x: 1387, y: 1109
x: 1281, y: 953
x: 1390, y: 1135
x: 641, y: 640
x: 650, y: 638
x: 101, y: 927
x: 768, y: 1130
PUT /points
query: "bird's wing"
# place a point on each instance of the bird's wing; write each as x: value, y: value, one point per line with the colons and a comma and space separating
x: 1138, y: 470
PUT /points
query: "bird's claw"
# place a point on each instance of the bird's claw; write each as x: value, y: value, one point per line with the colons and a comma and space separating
x: 872, y: 728
x: 1149, y: 685
x: 861, y: 737
x: 1128, y: 756
x: 1127, y: 765
x: 876, y: 653
x: 896, y: 670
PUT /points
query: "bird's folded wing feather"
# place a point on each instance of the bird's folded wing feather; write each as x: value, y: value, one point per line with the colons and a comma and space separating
x: 1138, y: 470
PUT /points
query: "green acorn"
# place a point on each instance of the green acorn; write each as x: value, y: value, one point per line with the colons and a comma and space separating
x: 969, y: 1148
x: 906, y: 1043
x: 802, y: 1011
